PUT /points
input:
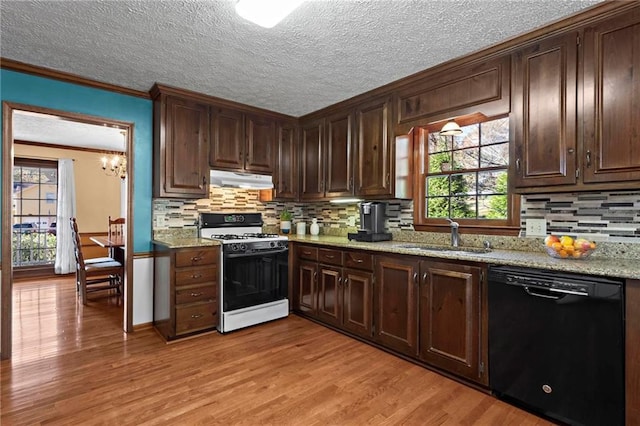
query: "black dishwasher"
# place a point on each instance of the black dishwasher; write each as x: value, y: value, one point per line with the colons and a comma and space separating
x: 556, y: 344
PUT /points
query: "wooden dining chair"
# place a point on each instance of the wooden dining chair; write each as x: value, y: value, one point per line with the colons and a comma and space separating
x: 115, y: 232
x: 102, y: 275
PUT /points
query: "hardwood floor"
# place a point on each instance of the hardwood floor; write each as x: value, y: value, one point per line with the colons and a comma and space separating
x: 74, y: 365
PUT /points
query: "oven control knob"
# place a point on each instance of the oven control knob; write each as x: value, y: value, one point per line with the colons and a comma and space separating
x: 272, y: 244
x: 243, y: 247
x: 234, y: 247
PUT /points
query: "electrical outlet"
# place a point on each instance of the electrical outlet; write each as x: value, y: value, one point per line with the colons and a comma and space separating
x: 536, y: 227
x: 351, y: 221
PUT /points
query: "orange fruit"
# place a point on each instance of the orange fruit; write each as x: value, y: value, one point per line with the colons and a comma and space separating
x: 550, y: 239
x: 592, y: 245
x: 556, y: 246
x: 563, y: 254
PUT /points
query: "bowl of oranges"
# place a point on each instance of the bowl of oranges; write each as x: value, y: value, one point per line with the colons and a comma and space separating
x: 566, y: 247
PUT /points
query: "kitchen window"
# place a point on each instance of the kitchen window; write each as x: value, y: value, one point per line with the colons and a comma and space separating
x: 465, y: 178
x: 35, y: 188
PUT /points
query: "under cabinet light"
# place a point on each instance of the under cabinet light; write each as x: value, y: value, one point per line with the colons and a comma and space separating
x: 266, y: 13
x: 345, y: 200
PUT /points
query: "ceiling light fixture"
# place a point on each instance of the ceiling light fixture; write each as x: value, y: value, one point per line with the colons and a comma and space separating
x: 266, y: 13
x: 451, y: 129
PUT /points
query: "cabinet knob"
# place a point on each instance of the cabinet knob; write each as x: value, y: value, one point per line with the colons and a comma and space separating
x: 196, y: 316
x: 588, y: 158
x: 424, y: 277
x: 570, y: 150
x: 196, y: 259
x: 196, y: 294
x: 517, y: 164
x: 196, y: 276
x: 415, y: 277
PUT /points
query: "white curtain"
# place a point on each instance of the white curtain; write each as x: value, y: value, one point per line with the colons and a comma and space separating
x: 65, y: 258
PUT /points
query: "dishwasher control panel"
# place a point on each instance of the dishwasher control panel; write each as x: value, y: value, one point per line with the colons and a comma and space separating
x: 549, y: 283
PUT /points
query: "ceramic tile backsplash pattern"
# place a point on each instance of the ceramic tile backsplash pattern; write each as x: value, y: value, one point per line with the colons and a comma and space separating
x: 613, y: 216
x: 610, y: 216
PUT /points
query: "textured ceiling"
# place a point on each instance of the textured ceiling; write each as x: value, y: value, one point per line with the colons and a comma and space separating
x: 33, y: 127
x: 324, y: 52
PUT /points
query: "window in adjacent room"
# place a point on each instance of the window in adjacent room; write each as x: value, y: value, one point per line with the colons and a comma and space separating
x: 35, y: 189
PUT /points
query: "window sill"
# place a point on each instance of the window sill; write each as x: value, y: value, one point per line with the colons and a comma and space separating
x: 512, y: 231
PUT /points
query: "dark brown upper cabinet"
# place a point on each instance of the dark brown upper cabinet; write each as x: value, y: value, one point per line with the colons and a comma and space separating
x: 311, y: 161
x: 576, y: 107
x: 544, y: 112
x: 242, y: 142
x: 181, y: 147
x: 339, y: 138
x: 611, y: 90
x: 227, y: 139
x: 374, y: 148
x: 327, y: 157
x: 285, y: 175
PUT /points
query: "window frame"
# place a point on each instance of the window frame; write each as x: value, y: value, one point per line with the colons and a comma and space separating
x: 509, y: 226
x: 35, y: 163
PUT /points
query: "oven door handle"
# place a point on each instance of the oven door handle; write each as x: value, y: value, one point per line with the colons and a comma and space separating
x: 256, y: 253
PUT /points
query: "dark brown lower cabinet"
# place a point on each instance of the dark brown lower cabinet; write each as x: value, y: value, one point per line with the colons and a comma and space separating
x: 335, y: 295
x: 396, y: 303
x: 450, y: 321
x: 433, y: 311
x: 304, y: 292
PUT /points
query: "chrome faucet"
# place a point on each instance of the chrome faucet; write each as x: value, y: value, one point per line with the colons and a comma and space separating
x: 455, y: 237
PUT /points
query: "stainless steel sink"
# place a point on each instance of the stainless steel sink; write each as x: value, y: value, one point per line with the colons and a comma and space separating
x: 428, y: 248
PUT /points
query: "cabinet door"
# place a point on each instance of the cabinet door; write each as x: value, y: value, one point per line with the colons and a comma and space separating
x: 227, y: 140
x: 286, y: 174
x: 305, y: 294
x: 311, y: 180
x: 357, y: 299
x: 373, y: 165
x: 186, y: 144
x: 396, y: 300
x: 612, y: 99
x: 339, y: 155
x: 544, y: 113
x: 450, y: 324
x: 330, y: 294
x: 260, y: 133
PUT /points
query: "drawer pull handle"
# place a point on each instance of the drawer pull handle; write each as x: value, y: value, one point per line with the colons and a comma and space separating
x: 196, y: 316
x: 196, y: 259
x: 308, y: 253
x: 197, y: 294
x: 196, y: 276
x: 358, y: 260
x: 329, y: 256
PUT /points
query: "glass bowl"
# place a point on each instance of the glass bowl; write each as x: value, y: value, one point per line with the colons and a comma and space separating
x: 570, y: 252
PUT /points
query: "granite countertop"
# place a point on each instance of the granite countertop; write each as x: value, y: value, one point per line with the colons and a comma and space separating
x: 185, y: 242
x: 611, y: 267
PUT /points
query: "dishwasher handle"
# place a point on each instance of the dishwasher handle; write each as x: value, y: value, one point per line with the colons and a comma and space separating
x: 529, y: 291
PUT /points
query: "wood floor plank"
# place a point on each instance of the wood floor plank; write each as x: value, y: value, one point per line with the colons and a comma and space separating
x: 72, y: 364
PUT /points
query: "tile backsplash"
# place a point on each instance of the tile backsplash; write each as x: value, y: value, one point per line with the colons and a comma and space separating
x: 612, y: 216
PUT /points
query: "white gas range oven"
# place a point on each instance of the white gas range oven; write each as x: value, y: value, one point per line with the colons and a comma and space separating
x: 254, y: 269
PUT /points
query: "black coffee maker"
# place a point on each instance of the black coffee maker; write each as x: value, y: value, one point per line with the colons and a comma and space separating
x: 372, y: 216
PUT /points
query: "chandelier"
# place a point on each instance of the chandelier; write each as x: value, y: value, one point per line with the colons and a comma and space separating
x: 115, y: 166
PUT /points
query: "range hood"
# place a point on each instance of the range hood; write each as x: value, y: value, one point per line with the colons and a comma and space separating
x: 226, y: 179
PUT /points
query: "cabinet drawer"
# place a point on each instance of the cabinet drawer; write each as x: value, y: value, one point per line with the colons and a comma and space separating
x: 196, y: 257
x: 358, y: 260
x: 197, y: 316
x: 306, y: 252
x: 190, y: 294
x: 196, y: 275
x: 331, y: 257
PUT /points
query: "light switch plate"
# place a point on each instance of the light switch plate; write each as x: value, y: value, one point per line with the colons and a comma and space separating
x: 351, y: 221
x: 536, y: 227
